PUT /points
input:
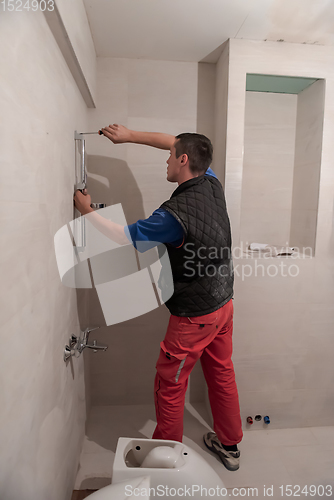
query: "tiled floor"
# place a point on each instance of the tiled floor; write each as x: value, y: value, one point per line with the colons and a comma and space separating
x: 270, y: 458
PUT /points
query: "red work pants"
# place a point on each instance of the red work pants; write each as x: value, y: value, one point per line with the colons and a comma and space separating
x: 209, y: 338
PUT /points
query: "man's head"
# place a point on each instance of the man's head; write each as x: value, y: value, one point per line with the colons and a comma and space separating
x: 194, y: 151
x: 199, y: 150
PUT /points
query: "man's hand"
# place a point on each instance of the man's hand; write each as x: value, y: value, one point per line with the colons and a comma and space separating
x: 117, y: 133
x: 110, y: 229
x: 82, y: 201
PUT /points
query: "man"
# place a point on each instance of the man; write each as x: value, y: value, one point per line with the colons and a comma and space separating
x: 195, y: 228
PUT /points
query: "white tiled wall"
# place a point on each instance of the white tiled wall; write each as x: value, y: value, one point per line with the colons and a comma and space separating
x: 42, y: 398
x: 283, y: 324
x: 305, y: 198
x: 220, y: 116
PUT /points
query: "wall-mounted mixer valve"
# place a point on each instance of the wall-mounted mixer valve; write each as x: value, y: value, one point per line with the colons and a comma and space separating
x: 77, y: 345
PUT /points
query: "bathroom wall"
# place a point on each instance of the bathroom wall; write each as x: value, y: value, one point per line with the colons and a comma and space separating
x: 268, y: 166
x: 305, y: 198
x: 73, y: 15
x: 220, y: 113
x: 144, y: 95
x: 42, y: 399
x: 206, y: 97
x: 284, y: 318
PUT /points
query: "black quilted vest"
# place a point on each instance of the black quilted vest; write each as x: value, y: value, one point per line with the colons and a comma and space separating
x: 202, y: 267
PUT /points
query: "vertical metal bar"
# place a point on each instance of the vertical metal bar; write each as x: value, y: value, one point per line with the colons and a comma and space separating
x: 83, y: 233
x: 80, y: 162
x: 80, y: 179
x: 83, y: 164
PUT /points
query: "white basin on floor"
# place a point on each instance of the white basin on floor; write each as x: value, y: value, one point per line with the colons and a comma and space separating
x: 153, y: 468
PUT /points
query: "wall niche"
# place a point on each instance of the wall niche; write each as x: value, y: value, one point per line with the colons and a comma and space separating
x: 282, y: 159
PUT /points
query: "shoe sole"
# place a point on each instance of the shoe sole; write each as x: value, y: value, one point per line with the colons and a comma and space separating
x: 221, y: 456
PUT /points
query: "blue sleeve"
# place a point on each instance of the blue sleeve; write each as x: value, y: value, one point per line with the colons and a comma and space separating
x: 211, y: 172
x: 160, y: 227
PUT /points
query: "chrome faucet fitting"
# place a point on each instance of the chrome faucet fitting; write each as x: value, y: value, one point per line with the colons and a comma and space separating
x: 77, y: 345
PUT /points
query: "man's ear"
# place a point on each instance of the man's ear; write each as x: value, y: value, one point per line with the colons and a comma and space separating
x: 184, y: 159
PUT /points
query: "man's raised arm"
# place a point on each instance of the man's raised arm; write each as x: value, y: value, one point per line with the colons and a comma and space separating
x: 119, y: 134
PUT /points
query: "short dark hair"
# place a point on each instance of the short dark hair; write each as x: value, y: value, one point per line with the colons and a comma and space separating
x: 198, y: 148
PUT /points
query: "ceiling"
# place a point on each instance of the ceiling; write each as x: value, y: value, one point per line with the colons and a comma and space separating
x: 194, y: 30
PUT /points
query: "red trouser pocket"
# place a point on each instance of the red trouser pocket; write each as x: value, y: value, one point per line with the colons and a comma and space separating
x: 170, y: 363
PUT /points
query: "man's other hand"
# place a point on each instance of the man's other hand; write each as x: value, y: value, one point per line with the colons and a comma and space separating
x: 82, y: 202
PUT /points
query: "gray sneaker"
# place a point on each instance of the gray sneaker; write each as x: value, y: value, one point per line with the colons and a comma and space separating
x: 230, y: 459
